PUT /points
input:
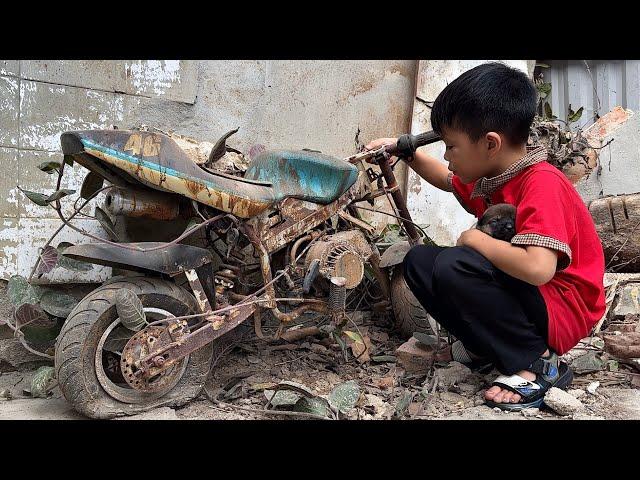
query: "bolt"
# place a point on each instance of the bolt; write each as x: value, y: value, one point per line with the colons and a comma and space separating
x: 158, y: 361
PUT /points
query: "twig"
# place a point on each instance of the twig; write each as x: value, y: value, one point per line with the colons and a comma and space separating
x: 264, y: 412
x: 291, y: 361
x: 392, y: 215
x: 623, y: 244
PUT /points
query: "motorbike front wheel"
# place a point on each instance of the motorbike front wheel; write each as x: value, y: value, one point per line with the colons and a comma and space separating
x: 87, y: 361
x: 410, y: 315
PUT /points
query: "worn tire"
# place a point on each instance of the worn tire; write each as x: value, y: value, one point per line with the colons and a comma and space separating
x: 78, y: 340
x: 410, y: 315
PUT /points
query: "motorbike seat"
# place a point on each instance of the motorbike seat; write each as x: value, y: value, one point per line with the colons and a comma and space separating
x: 303, y: 174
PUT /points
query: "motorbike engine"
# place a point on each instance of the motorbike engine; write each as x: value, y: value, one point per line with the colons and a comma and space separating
x: 340, y: 255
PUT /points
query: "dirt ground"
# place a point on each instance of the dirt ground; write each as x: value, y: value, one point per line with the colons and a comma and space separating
x: 250, y: 366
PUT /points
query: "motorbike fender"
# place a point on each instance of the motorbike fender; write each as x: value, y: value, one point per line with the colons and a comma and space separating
x: 394, y: 254
x: 169, y: 260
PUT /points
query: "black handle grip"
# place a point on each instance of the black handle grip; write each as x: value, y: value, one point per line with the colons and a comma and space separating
x: 408, y: 144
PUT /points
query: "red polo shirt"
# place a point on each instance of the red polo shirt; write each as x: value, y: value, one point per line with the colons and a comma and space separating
x: 550, y: 213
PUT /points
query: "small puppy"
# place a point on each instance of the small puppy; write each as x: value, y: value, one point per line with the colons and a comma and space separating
x: 499, y: 221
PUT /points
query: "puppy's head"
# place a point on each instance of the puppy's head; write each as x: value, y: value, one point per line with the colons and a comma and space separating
x: 499, y: 221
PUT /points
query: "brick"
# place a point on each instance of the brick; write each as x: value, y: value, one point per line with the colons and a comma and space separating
x: 562, y: 402
x: 416, y: 357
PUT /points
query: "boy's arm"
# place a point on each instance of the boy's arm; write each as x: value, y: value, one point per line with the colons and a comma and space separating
x: 531, y: 264
x: 430, y: 168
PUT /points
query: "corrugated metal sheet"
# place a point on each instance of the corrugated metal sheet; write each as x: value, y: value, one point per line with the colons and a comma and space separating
x: 596, y: 85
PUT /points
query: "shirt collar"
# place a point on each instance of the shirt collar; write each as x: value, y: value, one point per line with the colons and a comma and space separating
x: 486, y: 186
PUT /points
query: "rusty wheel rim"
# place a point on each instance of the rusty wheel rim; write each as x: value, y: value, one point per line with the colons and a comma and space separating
x: 124, y: 392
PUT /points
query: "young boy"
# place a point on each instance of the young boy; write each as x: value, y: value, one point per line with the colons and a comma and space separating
x: 522, y: 303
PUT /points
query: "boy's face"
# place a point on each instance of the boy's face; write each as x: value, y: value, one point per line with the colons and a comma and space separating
x: 467, y: 159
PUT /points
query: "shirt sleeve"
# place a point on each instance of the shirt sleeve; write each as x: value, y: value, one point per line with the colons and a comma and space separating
x: 542, y: 218
x: 461, y: 191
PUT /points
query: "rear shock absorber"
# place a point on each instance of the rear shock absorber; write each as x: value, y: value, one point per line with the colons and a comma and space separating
x: 337, y: 299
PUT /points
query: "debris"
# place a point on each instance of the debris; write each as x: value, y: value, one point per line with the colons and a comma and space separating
x: 42, y: 382
x: 282, y: 397
x: 381, y: 409
x: 5, y: 394
x: 453, y: 374
x: 379, y: 336
x: 360, y: 346
x: 384, y: 383
x: 162, y: 413
x: 403, y: 404
x: 623, y: 344
x: 253, y: 359
x: 383, y: 358
x: 415, y: 357
x: 593, y: 386
x: 561, y: 402
x: 628, y: 301
x: 344, y: 396
x: 14, y: 355
x: 586, y: 363
x: 414, y: 409
x: 530, y: 412
x: 577, y: 393
x: 300, y: 333
x: 315, y: 405
x: 584, y: 416
x: 423, y: 338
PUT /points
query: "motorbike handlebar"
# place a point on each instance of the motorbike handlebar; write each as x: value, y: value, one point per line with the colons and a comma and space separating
x: 407, y: 144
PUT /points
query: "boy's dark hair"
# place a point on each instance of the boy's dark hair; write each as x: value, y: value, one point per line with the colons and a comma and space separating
x: 490, y: 97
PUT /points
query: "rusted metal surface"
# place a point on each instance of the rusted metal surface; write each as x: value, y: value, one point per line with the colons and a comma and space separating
x: 137, y: 203
x: 172, y: 260
x: 156, y: 161
x: 173, y: 344
x: 198, y: 291
x: 159, y: 373
x: 341, y: 255
x: 303, y: 220
x: 398, y: 198
x: 381, y: 275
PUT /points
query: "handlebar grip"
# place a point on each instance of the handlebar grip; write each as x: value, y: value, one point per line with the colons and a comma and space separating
x: 408, y: 144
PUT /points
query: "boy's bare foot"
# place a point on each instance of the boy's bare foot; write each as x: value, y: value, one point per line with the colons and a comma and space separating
x: 500, y: 395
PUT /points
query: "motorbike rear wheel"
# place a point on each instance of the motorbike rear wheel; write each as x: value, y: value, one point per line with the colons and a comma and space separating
x: 84, y: 367
x: 410, y: 315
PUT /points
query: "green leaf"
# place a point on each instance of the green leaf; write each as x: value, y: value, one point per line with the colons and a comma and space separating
x: 353, y: 336
x: 70, y: 263
x: 130, y: 310
x: 57, y: 304
x: 49, y: 167
x: 316, y: 405
x: 59, y: 194
x: 106, y: 224
x: 48, y: 260
x: 344, y: 396
x: 35, y: 197
x: 68, y: 159
x: 403, y: 404
x: 544, y: 88
x: 117, y: 339
x: 575, y: 116
x: 20, y: 291
x: 91, y: 184
x: 282, y: 397
x: 43, y: 380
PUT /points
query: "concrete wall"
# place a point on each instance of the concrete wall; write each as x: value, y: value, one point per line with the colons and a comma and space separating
x: 293, y: 104
x: 445, y: 218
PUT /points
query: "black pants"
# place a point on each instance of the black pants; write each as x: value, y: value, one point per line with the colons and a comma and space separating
x: 493, y: 314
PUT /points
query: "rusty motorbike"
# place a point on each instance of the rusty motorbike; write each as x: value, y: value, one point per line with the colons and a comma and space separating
x: 285, y: 237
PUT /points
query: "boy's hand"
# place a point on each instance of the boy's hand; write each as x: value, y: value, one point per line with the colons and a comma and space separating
x: 471, y: 237
x: 379, y: 142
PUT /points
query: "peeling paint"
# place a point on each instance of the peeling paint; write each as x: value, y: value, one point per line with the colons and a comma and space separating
x: 157, y: 75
